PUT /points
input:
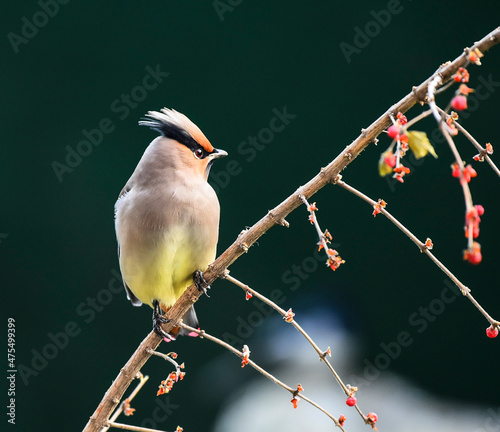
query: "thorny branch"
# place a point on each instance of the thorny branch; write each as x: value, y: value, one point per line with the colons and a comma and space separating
x: 247, y: 238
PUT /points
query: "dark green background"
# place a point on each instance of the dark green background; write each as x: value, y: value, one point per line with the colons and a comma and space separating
x: 227, y: 76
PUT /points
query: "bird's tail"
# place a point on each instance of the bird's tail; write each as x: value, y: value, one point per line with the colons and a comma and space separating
x: 191, y: 320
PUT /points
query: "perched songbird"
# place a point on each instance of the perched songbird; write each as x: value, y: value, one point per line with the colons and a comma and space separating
x: 167, y: 217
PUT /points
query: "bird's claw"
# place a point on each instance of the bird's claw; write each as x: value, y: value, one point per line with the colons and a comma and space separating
x: 160, y: 332
x: 200, y: 282
x: 158, y: 320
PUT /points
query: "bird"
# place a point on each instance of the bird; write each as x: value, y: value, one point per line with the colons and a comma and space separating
x: 167, y: 218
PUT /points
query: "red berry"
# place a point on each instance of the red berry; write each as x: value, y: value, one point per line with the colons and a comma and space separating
x: 456, y: 170
x: 492, y: 332
x: 372, y: 417
x: 473, y: 255
x: 480, y: 209
x: 393, y: 131
x: 462, y: 75
x: 475, y: 258
x: 402, y: 120
x: 475, y: 231
x: 351, y: 401
x: 390, y: 159
x: 459, y: 103
x: 470, y: 171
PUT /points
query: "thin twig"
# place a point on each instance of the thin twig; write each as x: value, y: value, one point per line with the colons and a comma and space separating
x: 240, y: 354
x: 130, y: 427
x: 166, y: 357
x: 416, y: 119
x: 431, y: 91
x: 385, y: 212
x: 167, y: 384
x: 322, y: 354
x: 333, y: 259
x: 475, y: 143
x: 440, y: 114
x: 425, y: 249
x: 99, y: 418
x: 314, y: 220
x: 269, y: 376
x: 143, y: 379
x: 482, y: 151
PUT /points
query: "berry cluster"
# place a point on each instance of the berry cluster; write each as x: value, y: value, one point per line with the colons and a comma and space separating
x: 390, y: 161
x: 403, y: 140
x: 167, y: 384
x: 351, y: 401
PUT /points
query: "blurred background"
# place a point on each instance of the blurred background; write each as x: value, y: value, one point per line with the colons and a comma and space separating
x: 77, y: 77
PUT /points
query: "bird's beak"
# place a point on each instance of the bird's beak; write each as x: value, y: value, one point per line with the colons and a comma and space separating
x: 218, y: 153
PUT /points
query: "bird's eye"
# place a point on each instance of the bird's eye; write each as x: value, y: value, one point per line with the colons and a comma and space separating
x: 198, y: 153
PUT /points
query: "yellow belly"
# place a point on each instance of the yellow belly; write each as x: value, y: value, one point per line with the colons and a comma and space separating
x: 160, y: 265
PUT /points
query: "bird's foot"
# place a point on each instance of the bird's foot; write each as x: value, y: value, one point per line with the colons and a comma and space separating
x: 160, y: 332
x: 158, y: 320
x: 200, y: 282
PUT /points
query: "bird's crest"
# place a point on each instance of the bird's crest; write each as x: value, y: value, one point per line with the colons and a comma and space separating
x: 172, y: 124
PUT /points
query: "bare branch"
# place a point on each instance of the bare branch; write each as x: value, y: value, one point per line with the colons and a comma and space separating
x: 475, y: 143
x: 99, y: 418
x: 333, y: 259
x: 440, y: 115
x: 425, y: 249
x: 143, y: 379
x: 416, y: 119
x: 166, y: 357
x: 294, y: 392
x: 322, y: 354
x: 130, y: 427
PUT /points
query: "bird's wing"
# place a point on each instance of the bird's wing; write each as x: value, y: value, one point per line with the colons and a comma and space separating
x: 130, y: 295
